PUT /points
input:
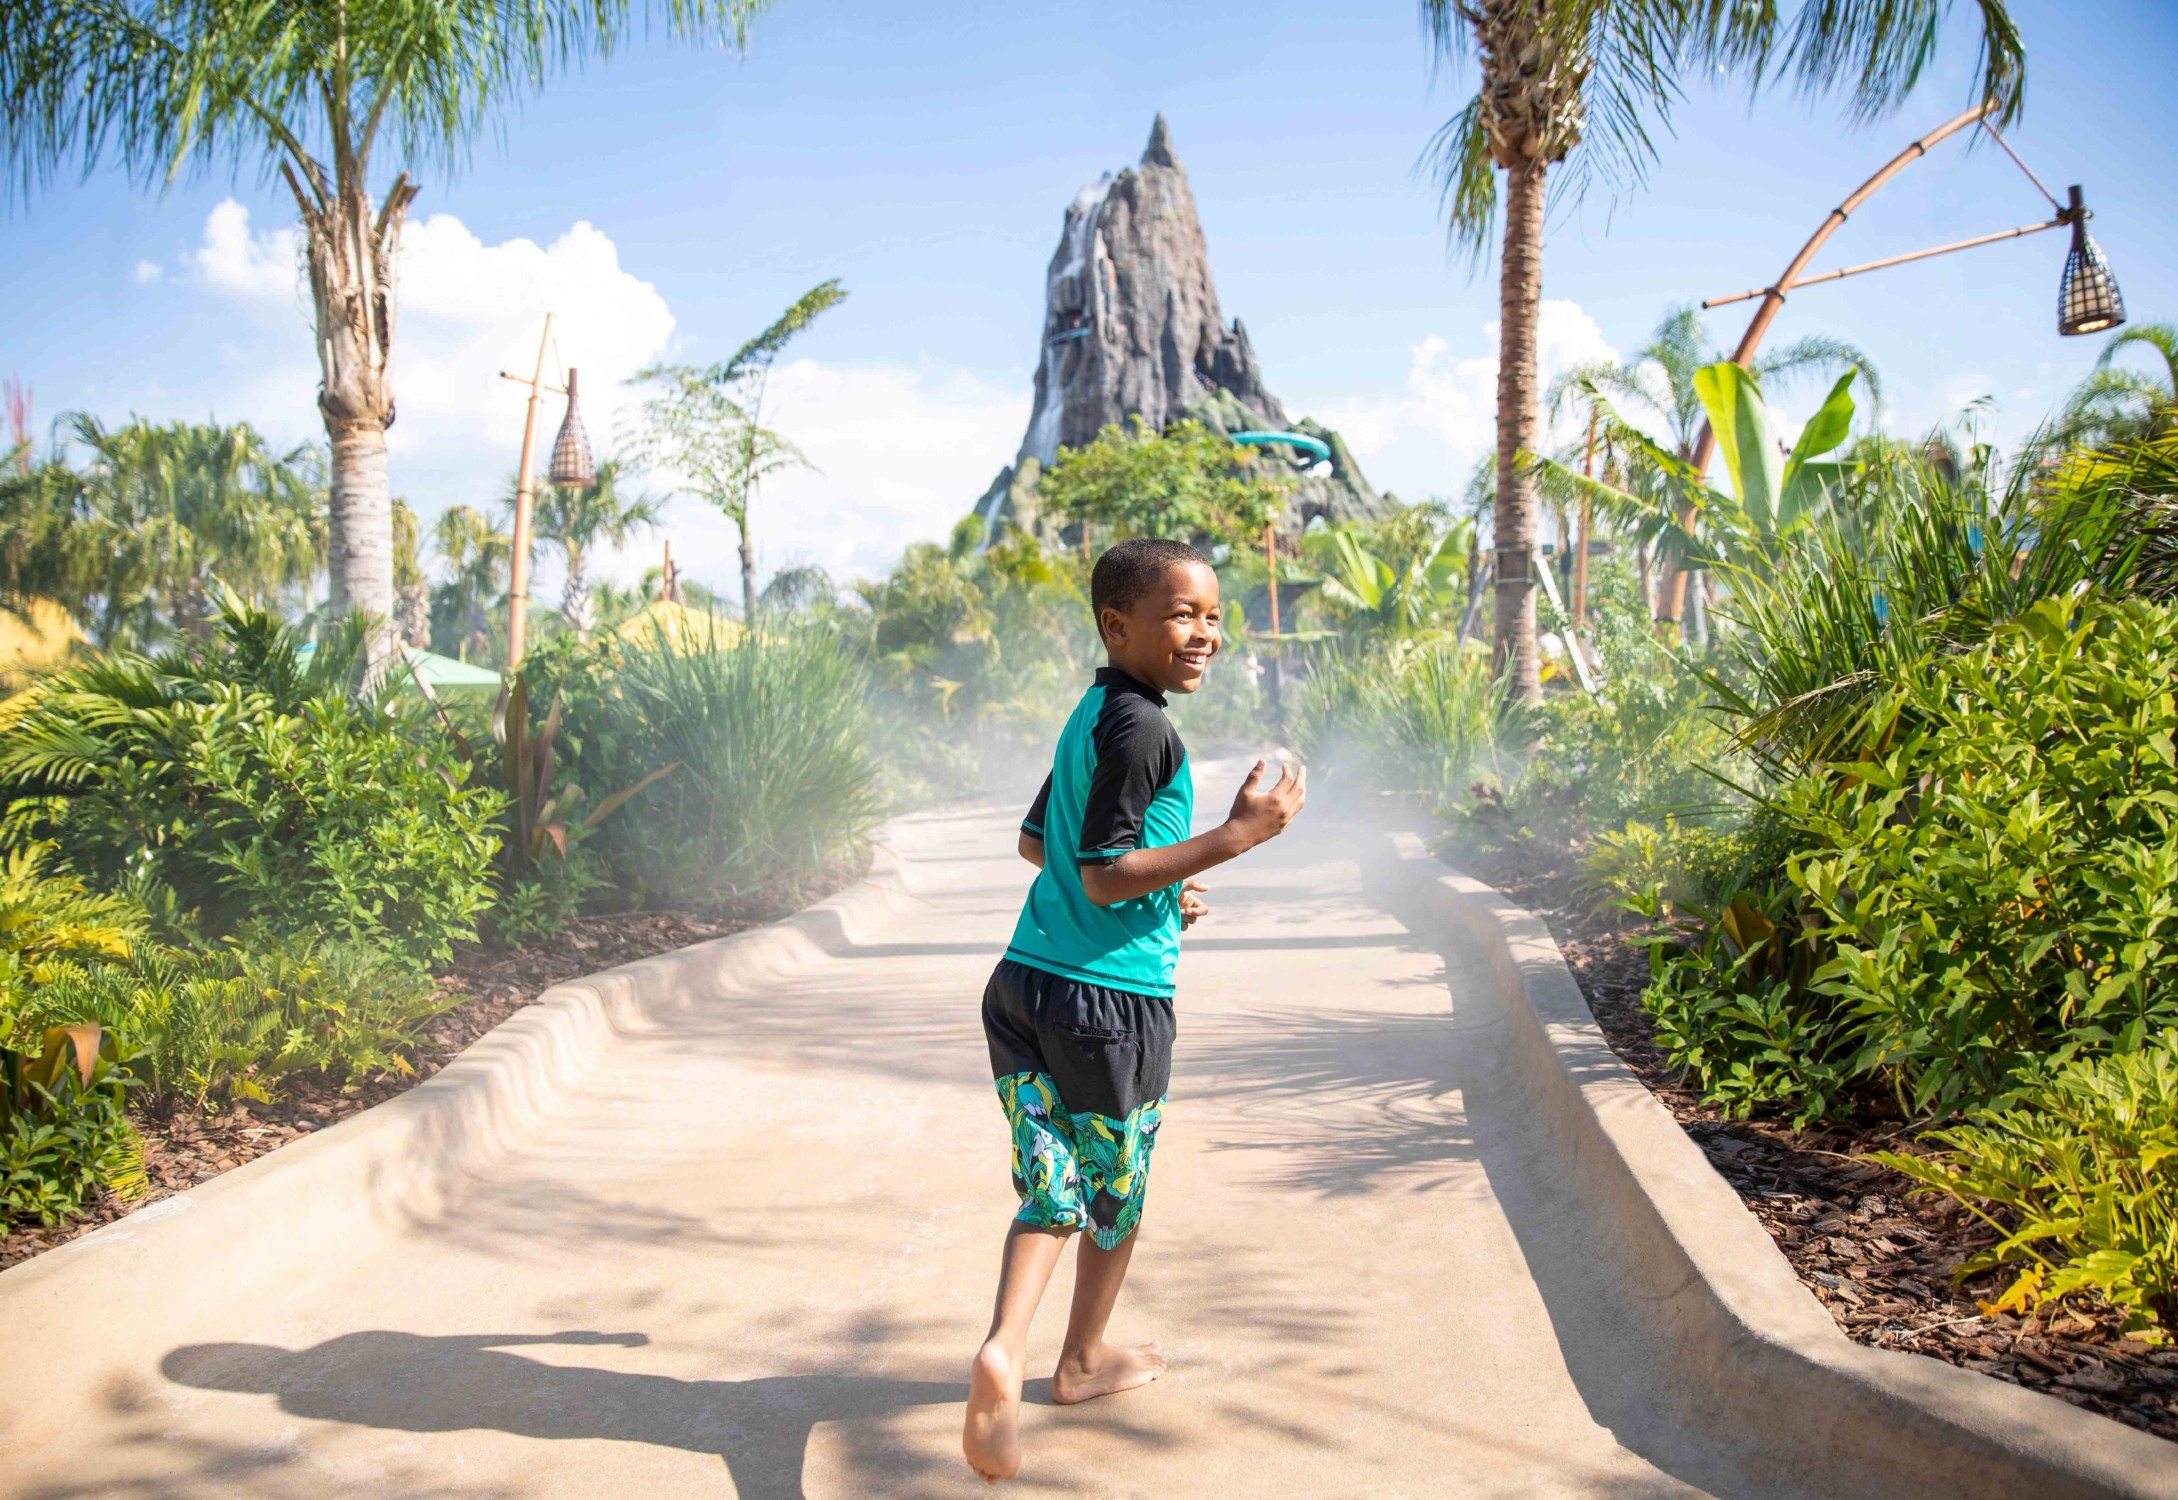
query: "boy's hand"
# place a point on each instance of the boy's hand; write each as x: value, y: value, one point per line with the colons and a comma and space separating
x: 1192, y: 906
x: 1262, y: 812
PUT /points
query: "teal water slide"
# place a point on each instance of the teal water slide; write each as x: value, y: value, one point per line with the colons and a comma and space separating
x: 1316, y: 449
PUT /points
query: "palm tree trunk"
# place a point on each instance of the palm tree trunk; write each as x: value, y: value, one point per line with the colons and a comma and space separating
x: 351, y: 259
x: 575, y: 598
x: 748, y: 577
x: 1520, y: 292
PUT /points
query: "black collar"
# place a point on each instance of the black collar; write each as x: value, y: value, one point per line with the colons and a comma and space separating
x: 1115, y: 677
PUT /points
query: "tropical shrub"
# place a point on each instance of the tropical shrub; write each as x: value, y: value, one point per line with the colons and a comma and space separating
x: 1990, y: 880
x: 1643, y: 745
x: 2081, y: 1180
x: 1665, y: 865
x: 52, y: 924
x: 228, y: 1022
x: 1186, y: 482
x: 1422, y: 717
x: 242, y: 778
x: 773, y: 739
x: 64, y: 1130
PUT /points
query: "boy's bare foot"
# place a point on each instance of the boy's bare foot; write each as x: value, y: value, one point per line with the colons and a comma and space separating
x: 1113, y: 1367
x: 991, y: 1440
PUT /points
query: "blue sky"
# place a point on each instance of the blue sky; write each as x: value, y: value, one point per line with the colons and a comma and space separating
x: 668, y: 203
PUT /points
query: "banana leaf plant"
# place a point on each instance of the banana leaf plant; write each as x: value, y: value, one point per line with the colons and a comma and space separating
x: 538, y: 814
x: 1399, y: 598
x: 1775, y: 493
x: 28, y: 1084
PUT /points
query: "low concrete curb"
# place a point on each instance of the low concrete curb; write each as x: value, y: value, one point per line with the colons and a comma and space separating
x: 1748, y: 1349
x: 79, y: 1322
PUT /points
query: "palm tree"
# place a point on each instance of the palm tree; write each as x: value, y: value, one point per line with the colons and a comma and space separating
x: 127, y: 527
x: 2115, y: 405
x: 576, y: 520
x: 1578, y: 82
x: 1659, y: 378
x: 311, y: 90
x: 707, y: 425
x: 476, y: 551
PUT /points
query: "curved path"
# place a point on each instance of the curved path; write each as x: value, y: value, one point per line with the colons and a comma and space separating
x: 752, y: 1255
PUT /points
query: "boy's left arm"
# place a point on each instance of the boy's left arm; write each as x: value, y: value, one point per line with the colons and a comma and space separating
x: 1031, y: 844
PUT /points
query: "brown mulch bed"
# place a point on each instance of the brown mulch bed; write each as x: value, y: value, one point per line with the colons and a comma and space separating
x: 183, y: 1147
x: 1878, y: 1256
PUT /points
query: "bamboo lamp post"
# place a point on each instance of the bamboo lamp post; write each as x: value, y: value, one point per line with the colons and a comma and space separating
x: 571, y: 465
x: 2088, y: 300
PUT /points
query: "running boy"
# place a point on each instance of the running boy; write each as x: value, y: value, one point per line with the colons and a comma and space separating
x: 1078, y: 1014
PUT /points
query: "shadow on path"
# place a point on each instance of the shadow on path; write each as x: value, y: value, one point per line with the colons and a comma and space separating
x: 416, y: 1383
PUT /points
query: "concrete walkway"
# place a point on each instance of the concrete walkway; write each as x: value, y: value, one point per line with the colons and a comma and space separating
x: 753, y: 1255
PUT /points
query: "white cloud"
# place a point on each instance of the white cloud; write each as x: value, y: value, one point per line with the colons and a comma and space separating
x: 901, y: 452
x: 1426, y: 437
x: 262, y: 268
x: 467, y: 310
x: 147, y: 272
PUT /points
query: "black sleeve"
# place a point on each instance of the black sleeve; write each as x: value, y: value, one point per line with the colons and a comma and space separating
x: 1033, y: 824
x: 1138, y: 754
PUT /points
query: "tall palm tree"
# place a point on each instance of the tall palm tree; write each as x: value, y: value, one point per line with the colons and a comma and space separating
x: 1579, y: 82
x: 312, y: 91
x: 578, y: 520
x: 707, y: 425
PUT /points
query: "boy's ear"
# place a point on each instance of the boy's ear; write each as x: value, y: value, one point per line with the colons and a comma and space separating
x: 1111, y: 626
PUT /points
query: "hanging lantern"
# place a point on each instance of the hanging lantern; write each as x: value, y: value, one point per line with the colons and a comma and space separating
x: 572, y: 466
x: 2087, y: 299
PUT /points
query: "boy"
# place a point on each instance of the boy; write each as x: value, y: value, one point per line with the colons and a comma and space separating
x: 1078, y: 1014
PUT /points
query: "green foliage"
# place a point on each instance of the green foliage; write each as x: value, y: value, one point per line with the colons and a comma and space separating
x: 51, y: 924
x: 64, y: 1132
x: 1988, y: 878
x: 229, y: 1021
x: 1423, y: 718
x: 1186, y: 482
x: 773, y: 739
x: 1911, y: 567
x: 1402, y: 576
x: 1656, y: 868
x: 976, y: 654
x: 2080, y: 1179
x: 1775, y: 494
x: 234, y: 777
x: 1643, y: 745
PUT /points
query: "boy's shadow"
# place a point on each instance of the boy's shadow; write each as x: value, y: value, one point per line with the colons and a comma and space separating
x: 414, y: 1383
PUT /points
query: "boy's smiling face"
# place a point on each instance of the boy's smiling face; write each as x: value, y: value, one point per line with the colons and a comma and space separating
x: 1167, y: 637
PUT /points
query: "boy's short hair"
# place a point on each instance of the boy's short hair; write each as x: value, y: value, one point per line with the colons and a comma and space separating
x: 1126, y: 571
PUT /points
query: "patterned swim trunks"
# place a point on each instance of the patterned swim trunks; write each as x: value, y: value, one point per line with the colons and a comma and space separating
x: 1081, y: 1073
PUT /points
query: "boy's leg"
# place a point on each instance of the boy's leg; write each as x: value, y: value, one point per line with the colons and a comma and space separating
x: 991, y: 1440
x: 1089, y: 1367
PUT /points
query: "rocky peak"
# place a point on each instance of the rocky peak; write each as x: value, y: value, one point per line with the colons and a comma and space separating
x: 1158, y: 153
x: 1132, y: 327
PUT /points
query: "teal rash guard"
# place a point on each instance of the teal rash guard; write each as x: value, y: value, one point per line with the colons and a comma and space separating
x: 1119, y: 781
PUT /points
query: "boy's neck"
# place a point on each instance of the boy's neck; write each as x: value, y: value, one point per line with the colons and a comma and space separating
x: 1113, y: 664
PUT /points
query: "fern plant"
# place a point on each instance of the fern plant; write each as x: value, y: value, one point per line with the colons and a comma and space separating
x: 2081, y: 1182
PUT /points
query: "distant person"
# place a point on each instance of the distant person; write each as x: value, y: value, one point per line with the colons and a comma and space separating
x: 1078, y: 1013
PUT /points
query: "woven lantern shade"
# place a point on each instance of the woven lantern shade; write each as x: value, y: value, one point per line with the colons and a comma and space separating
x: 572, y: 466
x: 2088, y: 300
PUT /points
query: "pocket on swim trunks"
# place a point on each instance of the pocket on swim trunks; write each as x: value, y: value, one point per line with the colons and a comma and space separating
x: 1104, y: 1072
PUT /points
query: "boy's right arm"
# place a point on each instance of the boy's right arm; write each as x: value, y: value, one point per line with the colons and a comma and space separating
x: 1260, y: 813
